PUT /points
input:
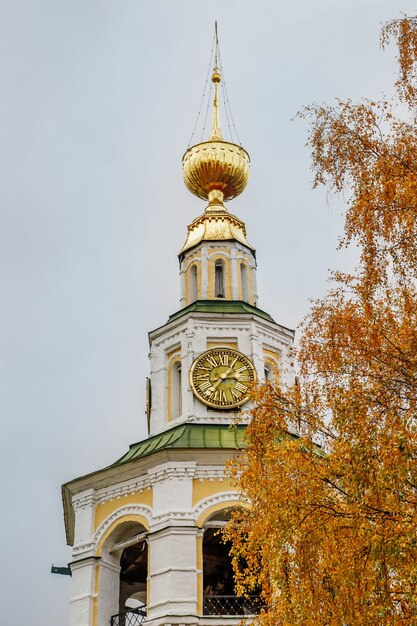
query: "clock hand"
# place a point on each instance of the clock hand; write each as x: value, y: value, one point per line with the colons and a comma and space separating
x: 223, y: 377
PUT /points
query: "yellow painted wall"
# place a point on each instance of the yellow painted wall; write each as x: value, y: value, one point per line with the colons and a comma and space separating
x: 205, y: 488
x: 104, y: 509
x: 222, y: 344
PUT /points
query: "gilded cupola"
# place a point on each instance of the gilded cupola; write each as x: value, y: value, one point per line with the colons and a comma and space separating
x: 216, y: 170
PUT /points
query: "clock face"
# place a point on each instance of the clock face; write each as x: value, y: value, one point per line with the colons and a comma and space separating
x: 221, y: 378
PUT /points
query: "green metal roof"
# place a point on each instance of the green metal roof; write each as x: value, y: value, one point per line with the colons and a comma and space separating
x: 221, y: 306
x: 188, y: 436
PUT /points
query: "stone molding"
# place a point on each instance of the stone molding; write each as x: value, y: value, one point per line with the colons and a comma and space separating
x: 172, y: 471
x: 126, y: 488
x: 226, y: 326
x: 172, y: 518
x: 129, y: 509
x: 210, y: 473
x: 84, y: 499
x: 82, y: 548
x: 168, y: 531
x: 220, y: 498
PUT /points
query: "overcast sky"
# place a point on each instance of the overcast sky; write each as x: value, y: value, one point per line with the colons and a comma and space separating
x: 98, y: 102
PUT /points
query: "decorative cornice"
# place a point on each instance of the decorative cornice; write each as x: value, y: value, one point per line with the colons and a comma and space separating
x: 210, y: 473
x: 83, y: 548
x: 121, y: 490
x: 172, y: 518
x: 84, y: 499
x: 171, y: 471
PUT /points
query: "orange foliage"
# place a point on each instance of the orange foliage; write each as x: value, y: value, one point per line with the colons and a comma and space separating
x: 331, y: 465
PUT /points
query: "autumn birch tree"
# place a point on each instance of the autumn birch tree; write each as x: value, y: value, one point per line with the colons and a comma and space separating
x: 330, y: 468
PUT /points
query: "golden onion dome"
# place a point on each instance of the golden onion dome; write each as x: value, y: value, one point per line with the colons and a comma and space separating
x: 216, y: 165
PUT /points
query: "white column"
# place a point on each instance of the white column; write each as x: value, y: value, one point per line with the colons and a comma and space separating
x: 257, y: 351
x: 187, y: 345
x: 182, y: 285
x: 173, y: 572
x: 234, y: 267
x: 254, y: 285
x: 83, y: 567
x: 172, y: 542
x: 109, y: 590
x: 84, y: 508
x: 83, y: 591
x: 204, y: 273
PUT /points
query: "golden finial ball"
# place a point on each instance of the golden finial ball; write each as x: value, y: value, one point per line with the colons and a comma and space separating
x: 216, y: 78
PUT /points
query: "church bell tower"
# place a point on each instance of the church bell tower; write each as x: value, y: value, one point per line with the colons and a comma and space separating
x: 144, y: 530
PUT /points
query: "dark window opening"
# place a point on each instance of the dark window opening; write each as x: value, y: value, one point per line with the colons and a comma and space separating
x: 219, y: 595
x: 133, y: 574
x: 219, y: 280
x: 193, y: 284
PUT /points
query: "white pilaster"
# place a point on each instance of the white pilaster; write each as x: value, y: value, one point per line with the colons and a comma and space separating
x: 83, y: 591
x: 108, y: 590
x: 234, y: 267
x: 173, y: 572
x: 204, y: 273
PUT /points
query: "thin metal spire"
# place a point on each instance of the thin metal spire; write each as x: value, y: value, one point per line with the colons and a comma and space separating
x: 216, y: 57
x: 216, y: 133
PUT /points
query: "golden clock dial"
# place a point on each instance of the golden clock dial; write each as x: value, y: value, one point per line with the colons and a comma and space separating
x: 222, y: 377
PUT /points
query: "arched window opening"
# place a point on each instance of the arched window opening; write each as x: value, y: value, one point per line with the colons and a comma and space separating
x: 125, y: 591
x: 268, y: 372
x: 133, y: 576
x: 193, y: 283
x: 219, y: 280
x: 176, y: 390
x: 244, y: 279
x: 219, y: 595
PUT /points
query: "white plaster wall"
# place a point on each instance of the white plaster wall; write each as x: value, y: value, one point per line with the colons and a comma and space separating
x: 172, y: 487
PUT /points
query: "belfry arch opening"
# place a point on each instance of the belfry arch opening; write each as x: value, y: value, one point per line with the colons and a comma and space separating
x: 219, y: 291
x: 193, y: 279
x: 124, y: 574
x: 218, y: 581
x: 244, y: 280
x: 219, y: 595
x: 133, y: 576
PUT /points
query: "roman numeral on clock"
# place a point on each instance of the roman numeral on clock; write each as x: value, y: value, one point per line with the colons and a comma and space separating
x: 241, y: 388
x: 224, y: 359
x: 212, y: 361
x: 204, y: 386
x: 202, y: 376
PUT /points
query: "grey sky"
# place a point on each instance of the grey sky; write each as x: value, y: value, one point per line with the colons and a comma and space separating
x: 98, y: 101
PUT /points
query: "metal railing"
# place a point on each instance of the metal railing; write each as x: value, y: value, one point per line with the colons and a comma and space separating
x: 231, y: 605
x: 129, y: 618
